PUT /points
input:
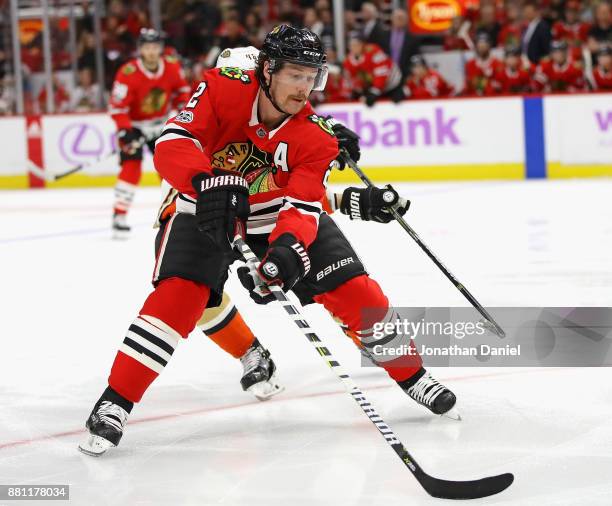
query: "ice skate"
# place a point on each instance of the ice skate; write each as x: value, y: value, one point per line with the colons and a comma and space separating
x: 121, y: 230
x: 105, y: 425
x: 259, y: 373
x: 430, y: 393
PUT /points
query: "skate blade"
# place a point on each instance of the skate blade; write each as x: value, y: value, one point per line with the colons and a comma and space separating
x: 265, y: 390
x: 453, y: 414
x: 121, y: 235
x: 94, y: 445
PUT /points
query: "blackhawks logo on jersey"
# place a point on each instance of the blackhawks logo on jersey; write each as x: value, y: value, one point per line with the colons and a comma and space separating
x: 154, y: 101
x: 129, y: 68
x: 255, y: 165
x: 235, y: 73
x: 322, y: 124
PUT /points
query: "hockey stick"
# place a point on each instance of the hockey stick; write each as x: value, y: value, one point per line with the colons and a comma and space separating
x: 38, y: 172
x: 491, y: 323
x: 81, y: 166
x: 444, y: 489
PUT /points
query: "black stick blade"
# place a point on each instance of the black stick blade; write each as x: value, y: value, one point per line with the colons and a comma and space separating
x: 475, y: 489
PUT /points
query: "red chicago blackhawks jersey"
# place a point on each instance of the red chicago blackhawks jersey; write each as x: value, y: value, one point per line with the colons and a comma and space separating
x: 510, y: 35
x: 431, y: 85
x: 479, y: 76
x: 567, y: 78
x: 509, y: 81
x: 574, y: 34
x: 286, y: 167
x: 373, y: 69
x: 603, y: 78
x: 140, y: 98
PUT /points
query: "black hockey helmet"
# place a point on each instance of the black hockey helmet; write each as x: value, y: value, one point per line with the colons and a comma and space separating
x: 558, y: 45
x: 294, y: 45
x: 286, y: 44
x: 149, y: 35
x: 417, y: 59
x: 604, y: 50
x: 512, y: 50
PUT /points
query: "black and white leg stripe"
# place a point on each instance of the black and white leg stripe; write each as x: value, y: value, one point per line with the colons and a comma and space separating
x: 385, y: 335
x: 150, y: 344
x: 124, y: 195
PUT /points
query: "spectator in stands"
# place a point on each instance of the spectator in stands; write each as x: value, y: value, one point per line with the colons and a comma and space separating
x: 480, y: 71
x: 513, y: 76
x: 200, y: 18
x: 402, y: 45
x: 253, y: 29
x: 371, y: 74
x: 373, y: 29
x: 512, y: 31
x: 552, y: 10
x: 602, y: 73
x: 600, y: 33
x: 312, y: 22
x: 350, y: 21
x: 61, y: 99
x: 559, y: 73
x: 424, y: 82
x: 7, y: 95
x: 327, y: 35
x: 537, y: 35
x: 85, y: 95
x: 288, y: 14
x: 337, y: 88
x: 571, y: 29
x: 86, y: 51
x: 456, y: 37
x: 233, y: 35
x: 487, y: 22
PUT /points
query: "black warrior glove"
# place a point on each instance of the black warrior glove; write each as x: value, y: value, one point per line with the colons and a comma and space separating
x: 130, y: 140
x: 222, y: 205
x: 284, y: 264
x: 347, y: 139
x: 372, y: 204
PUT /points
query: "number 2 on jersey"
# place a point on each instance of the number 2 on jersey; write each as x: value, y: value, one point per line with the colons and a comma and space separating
x: 196, y: 96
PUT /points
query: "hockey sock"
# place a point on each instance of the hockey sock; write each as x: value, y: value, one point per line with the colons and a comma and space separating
x: 129, y: 177
x: 226, y: 327
x: 406, y: 384
x: 169, y: 313
x: 364, y: 311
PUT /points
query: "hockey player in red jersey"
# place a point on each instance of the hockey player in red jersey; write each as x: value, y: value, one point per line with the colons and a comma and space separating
x: 572, y: 30
x: 224, y: 324
x: 480, y: 71
x: 514, y: 76
x: 602, y: 73
x: 371, y: 73
x: 424, y: 82
x: 560, y: 73
x: 247, y: 152
x: 143, y: 94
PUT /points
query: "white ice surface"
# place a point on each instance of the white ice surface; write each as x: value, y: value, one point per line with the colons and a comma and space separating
x: 69, y: 293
